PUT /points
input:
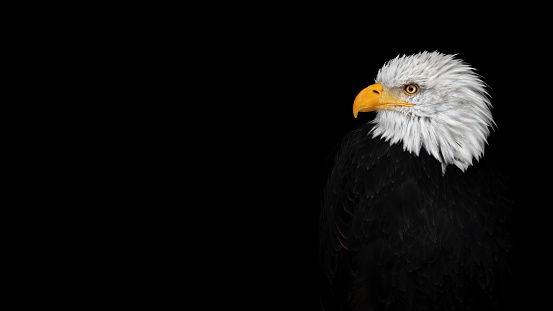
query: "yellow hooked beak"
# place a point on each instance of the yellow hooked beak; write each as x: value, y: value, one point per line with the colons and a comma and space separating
x: 374, y: 97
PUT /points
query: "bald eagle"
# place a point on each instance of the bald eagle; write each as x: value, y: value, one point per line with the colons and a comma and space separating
x: 414, y: 217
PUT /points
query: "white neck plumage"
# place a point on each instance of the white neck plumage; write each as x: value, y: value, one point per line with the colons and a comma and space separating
x: 452, y: 138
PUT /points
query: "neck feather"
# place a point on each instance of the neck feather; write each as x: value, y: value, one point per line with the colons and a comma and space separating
x: 451, y: 141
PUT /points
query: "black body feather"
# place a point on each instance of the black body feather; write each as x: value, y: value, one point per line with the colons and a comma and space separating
x: 397, y: 234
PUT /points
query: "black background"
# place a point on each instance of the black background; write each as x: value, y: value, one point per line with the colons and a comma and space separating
x: 294, y: 106
x: 276, y: 88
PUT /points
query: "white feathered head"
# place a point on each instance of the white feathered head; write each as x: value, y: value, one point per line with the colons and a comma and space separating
x: 430, y: 100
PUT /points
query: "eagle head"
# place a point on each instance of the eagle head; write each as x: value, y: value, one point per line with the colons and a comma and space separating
x: 430, y: 100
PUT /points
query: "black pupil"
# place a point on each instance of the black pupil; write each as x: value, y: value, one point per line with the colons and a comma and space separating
x: 411, y: 89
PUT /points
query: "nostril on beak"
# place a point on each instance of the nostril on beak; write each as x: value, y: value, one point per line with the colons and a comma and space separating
x: 377, y: 92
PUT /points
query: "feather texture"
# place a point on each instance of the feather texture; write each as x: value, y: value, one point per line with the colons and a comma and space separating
x: 451, y: 116
x: 398, y: 234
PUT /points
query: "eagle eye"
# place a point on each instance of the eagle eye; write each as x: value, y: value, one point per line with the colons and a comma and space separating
x: 411, y: 89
